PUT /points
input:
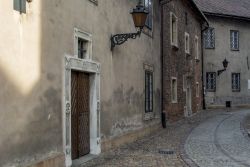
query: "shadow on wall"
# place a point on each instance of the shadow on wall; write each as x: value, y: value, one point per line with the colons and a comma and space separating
x: 31, y: 82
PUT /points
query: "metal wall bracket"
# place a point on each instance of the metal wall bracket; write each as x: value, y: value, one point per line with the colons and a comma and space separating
x: 119, y: 39
x: 220, y: 71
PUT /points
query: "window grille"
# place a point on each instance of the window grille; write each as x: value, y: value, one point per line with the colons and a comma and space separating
x: 211, y: 81
x: 149, y: 6
x: 148, y: 91
x: 234, y: 37
x: 81, y: 48
x: 236, y: 82
x: 209, y: 38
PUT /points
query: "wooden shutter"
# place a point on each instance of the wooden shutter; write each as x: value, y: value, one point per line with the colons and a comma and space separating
x: 20, y: 5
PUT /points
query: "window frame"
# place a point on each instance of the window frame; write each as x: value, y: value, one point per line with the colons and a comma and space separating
x: 173, y: 39
x: 174, y: 88
x: 206, y: 38
x: 239, y: 82
x: 197, y: 50
x: 232, y: 38
x: 150, y: 14
x: 86, y: 37
x: 149, y: 87
x: 209, y: 89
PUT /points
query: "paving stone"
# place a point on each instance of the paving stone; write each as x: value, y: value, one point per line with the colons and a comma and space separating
x: 145, y: 152
x: 220, y: 142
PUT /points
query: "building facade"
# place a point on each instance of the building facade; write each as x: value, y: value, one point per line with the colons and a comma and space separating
x: 226, y: 38
x: 182, y: 24
x: 64, y: 93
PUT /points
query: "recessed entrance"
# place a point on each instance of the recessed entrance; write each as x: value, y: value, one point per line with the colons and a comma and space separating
x: 80, y: 114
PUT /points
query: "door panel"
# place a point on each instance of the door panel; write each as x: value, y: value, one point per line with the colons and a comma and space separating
x: 83, y: 108
x: 74, y: 116
x: 80, y: 134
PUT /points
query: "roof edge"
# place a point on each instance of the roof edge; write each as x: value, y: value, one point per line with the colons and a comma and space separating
x: 204, y: 18
x: 227, y: 16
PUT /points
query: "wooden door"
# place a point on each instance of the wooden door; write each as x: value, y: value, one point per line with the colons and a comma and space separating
x: 80, y: 130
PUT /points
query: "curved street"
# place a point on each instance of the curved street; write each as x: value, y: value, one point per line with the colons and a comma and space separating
x: 219, y: 142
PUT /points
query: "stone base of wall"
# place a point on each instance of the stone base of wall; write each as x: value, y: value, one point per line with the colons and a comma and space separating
x: 223, y: 106
x: 128, y: 138
x: 53, y: 161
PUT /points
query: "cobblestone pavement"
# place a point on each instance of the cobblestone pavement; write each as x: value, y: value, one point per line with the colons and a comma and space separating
x: 145, y: 152
x: 220, y: 142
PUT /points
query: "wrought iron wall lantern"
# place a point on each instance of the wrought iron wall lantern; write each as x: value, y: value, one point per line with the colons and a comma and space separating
x: 139, y: 15
x: 225, y: 64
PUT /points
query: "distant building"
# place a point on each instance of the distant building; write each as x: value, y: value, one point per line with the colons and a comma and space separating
x: 227, y: 38
x: 182, y: 23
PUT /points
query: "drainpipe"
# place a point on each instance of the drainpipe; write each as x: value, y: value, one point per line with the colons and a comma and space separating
x: 202, y: 63
x: 163, y: 114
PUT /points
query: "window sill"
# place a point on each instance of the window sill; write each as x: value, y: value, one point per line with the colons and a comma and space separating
x: 197, y: 60
x: 147, y: 31
x: 149, y: 116
x: 175, y: 47
x: 174, y: 102
x: 212, y: 91
x: 235, y: 50
x: 210, y: 48
x: 236, y: 91
x: 187, y: 54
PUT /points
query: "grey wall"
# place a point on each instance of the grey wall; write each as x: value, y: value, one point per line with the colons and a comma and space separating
x: 32, y: 68
x: 237, y: 62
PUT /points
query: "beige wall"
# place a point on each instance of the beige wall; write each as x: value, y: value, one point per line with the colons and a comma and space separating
x: 31, y: 63
x: 237, y: 62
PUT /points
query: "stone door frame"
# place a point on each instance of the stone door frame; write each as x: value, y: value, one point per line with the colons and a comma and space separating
x: 93, y: 68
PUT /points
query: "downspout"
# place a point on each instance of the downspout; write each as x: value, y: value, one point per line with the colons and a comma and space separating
x: 163, y: 114
x: 206, y: 26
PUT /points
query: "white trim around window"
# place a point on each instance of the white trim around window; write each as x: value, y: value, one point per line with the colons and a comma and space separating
x: 173, y: 29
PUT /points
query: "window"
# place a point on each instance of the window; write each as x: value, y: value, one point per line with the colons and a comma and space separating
x: 211, y: 81
x: 82, y: 48
x: 148, y: 6
x: 197, y: 89
x: 148, y: 91
x: 173, y: 30
x: 20, y: 5
x: 82, y: 45
x: 234, y: 40
x: 174, y: 90
x: 187, y: 43
x: 236, y: 82
x: 209, y: 38
x: 196, y: 41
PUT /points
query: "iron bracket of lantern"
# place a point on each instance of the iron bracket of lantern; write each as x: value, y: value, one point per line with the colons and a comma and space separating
x: 139, y: 15
x: 225, y: 64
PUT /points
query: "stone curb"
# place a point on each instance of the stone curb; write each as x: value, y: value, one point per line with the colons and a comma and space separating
x: 244, y: 130
x: 189, y: 162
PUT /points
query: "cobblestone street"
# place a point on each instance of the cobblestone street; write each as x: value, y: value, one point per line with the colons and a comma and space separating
x: 145, y: 152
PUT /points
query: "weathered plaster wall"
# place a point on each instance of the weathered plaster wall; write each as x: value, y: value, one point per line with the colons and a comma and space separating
x: 237, y: 62
x: 176, y: 63
x: 30, y: 95
x: 31, y: 63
